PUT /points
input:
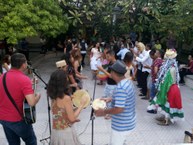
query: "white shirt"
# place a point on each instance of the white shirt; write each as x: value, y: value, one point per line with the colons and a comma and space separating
x: 145, y: 59
x: 4, y: 70
x: 122, y: 52
x: 95, y: 53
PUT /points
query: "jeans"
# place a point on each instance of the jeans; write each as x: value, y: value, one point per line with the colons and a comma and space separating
x: 153, y: 91
x: 16, y: 130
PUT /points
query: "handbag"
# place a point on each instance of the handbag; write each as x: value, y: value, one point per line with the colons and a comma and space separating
x: 9, y: 96
x: 188, y: 138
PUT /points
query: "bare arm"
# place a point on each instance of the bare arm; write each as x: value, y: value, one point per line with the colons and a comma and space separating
x: 103, y: 112
x: 80, y: 76
x: 155, y: 70
x: 5, y: 65
x: 103, y: 70
x: 32, y: 99
x: 146, y: 66
x: 72, y: 115
x: 72, y: 81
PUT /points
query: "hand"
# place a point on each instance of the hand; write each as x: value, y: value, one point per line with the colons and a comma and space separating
x: 145, y: 66
x: 133, y: 78
x: 85, y: 77
x: 74, y: 85
x: 38, y: 95
x: 100, y: 112
x: 77, y: 120
x: 34, y: 81
x: 107, y: 100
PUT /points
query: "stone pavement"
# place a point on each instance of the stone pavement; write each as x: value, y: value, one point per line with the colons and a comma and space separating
x: 147, y: 132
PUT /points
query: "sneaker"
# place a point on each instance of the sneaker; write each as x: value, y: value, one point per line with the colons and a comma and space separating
x: 145, y: 98
x: 165, y: 122
x: 152, y: 111
x: 182, y: 84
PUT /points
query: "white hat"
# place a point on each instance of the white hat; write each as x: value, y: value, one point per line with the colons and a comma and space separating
x: 170, y: 54
x: 61, y: 63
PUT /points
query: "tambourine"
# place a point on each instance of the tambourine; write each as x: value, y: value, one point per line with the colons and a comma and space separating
x: 78, y: 96
x: 99, y: 104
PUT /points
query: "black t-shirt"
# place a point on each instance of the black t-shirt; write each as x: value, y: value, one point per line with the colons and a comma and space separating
x: 110, y: 81
x: 83, y: 47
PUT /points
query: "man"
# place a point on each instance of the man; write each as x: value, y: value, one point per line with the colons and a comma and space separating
x: 111, y: 84
x: 20, y: 88
x: 83, y: 47
x: 122, y: 51
x: 123, y: 105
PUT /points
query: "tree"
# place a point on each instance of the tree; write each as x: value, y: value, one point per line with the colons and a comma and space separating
x: 24, y: 18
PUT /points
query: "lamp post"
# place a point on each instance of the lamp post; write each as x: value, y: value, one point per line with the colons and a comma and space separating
x: 115, y: 12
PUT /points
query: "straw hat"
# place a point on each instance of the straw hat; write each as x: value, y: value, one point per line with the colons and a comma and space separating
x: 119, y: 67
x: 98, y: 104
x: 78, y: 96
x: 61, y: 63
x: 170, y: 54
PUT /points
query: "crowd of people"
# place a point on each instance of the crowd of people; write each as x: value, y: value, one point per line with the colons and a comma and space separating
x: 117, y: 64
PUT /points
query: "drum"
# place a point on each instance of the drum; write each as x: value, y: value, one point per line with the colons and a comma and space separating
x: 78, y: 96
x: 101, y: 76
x: 99, y: 104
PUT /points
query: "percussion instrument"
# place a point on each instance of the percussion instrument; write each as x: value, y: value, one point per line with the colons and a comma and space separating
x: 78, y: 96
x: 101, y: 76
x: 99, y: 104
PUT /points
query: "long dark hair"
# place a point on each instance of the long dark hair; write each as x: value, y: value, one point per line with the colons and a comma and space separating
x: 58, y: 85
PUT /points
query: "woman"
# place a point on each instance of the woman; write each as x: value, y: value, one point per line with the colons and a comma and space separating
x: 6, y: 63
x: 94, y: 56
x: 186, y: 70
x: 76, y: 54
x: 64, y: 116
x: 168, y: 101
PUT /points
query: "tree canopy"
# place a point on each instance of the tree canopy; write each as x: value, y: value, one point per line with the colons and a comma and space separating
x: 24, y: 18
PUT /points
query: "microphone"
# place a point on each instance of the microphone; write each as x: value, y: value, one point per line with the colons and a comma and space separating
x: 30, y: 69
x: 29, y: 63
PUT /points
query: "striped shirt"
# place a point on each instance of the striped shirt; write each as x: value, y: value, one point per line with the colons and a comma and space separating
x: 124, y: 97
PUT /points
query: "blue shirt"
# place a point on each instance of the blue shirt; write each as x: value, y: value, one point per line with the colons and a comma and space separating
x: 124, y: 97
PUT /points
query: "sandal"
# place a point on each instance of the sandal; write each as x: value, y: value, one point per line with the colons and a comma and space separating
x: 165, y: 122
x: 100, y: 83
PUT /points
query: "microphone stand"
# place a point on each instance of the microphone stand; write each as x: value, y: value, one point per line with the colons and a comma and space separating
x: 92, y: 117
x: 48, y: 102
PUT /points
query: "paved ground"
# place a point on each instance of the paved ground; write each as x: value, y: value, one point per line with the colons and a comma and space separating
x: 147, y: 132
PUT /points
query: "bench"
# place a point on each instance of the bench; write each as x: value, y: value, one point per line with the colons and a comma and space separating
x: 189, y: 80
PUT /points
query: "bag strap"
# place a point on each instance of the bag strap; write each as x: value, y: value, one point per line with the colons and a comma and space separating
x: 9, y: 96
